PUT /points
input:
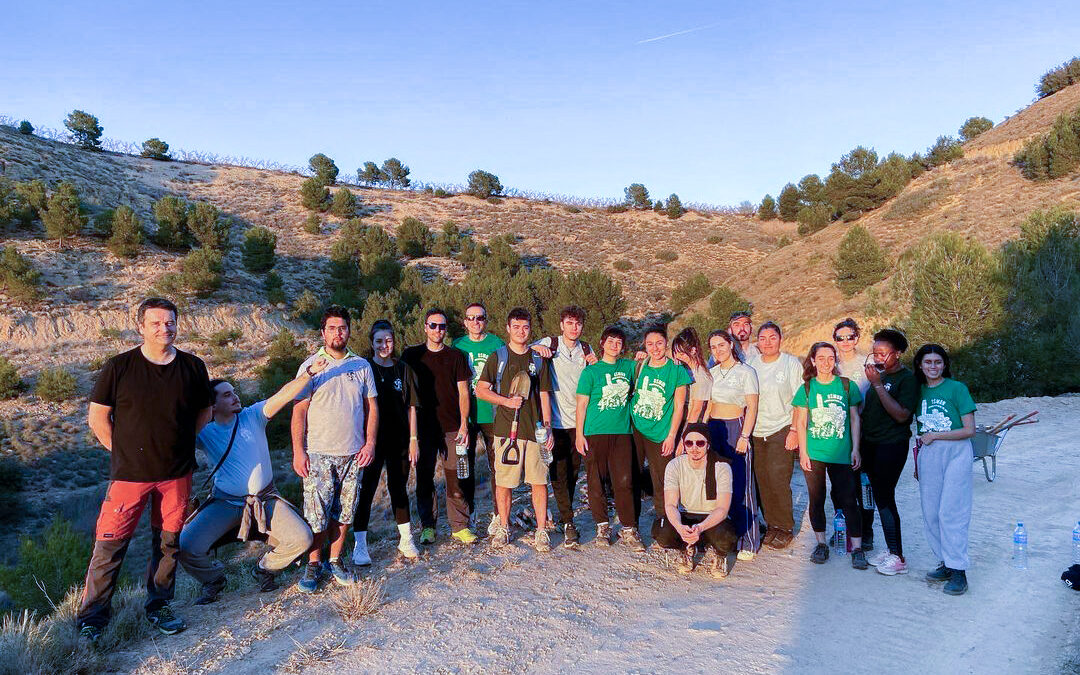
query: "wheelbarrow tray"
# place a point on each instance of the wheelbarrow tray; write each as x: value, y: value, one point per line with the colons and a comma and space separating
x: 984, y: 446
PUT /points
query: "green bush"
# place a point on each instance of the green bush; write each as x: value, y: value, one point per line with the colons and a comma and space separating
x: 483, y: 184
x: 10, y: 382
x: 84, y: 129
x: 34, y: 194
x: 155, y: 148
x: 11, y: 484
x: 395, y: 173
x: 55, y: 384
x: 658, y: 207
x: 26, y: 129
x: 623, y: 265
x: 12, y: 204
x: 714, y: 239
x: 283, y: 359
x: 18, y: 277
x: 308, y: 308
x: 414, y: 239
x: 667, y: 255
x: 344, y: 203
x: 258, y: 253
x: 171, y: 214
x: 224, y: 337
x: 789, y: 204
x: 274, y: 288
x: 974, y: 126
x: 637, y: 196
x: 208, y: 227
x: 101, y: 224
x: 63, y: 217
x: 201, y: 271
x: 441, y: 193
x: 314, y: 195
x: 449, y: 240
x: 724, y: 302
x: 1058, y: 78
x: 689, y: 292
x: 945, y: 149
x: 767, y: 209
x: 324, y: 171
x: 674, y: 208
x: 813, y: 218
x: 56, y: 560
x: 859, y: 262
x: 313, y: 224
x: 1054, y: 154
x: 127, y: 233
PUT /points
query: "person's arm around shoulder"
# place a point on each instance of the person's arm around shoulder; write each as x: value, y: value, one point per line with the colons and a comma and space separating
x: 290, y: 390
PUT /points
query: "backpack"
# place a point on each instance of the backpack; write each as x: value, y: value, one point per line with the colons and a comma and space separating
x: 843, y: 380
x: 502, y: 355
x: 585, y: 348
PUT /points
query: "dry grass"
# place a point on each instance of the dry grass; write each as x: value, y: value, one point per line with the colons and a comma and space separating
x: 320, y: 651
x: 355, y: 602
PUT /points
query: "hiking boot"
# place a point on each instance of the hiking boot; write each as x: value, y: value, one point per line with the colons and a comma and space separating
x: 570, y: 536
x: 264, y: 579
x: 91, y: 634
x: 629, y: 537
x: 342, y: 574
x: 782, y: 539
x: 878, y: 558
x: 465, y: 536
x: 501, y: 537
x: 892, y: 565
x: 603, y: 534
x: 769, y: 538
x: 408, y: 548
x: 309, y: 582
x: 427, y: 536
x: 542, y: 541
x: 210, y: 591
x: 719, y: 565
x: 493, y: 525
x: 942, y: 573
x: 360, y: 555
x: 957, y: 583
x: 858, y: 559
x: 685, y: 562
x: 165, y: 621
x: 820, y: 554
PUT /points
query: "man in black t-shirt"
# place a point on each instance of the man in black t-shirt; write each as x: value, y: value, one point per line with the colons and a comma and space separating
x: 442, y: 378
x: 146, y: 408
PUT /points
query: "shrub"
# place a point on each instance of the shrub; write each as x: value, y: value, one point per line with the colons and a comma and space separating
x: 448, y: 241
x: 324, y: 170
x: 207, y: 226
x: 637, y: 196
x: 308, y: 308
x: 689, y: 292
x: 790, y: 203
x: 724, y: 302
x: 155, y: 148
x: 26, y: 129
x: 313, y: 224
x: 314, y: 195
x: 63, y: 217
x: 344, y: 204
x: 84, y: 129
x: 201, y: 271
x: 859, y: 262
x: 360, y: 241
x: 813, y: 218
x: 414, y: 239
x: 395, y: 173
x: 945, y: 149
x: 101, y: 224
x: 127, y: 233
x: 570, y: 208
x: 10, y: 382
x: 667, y: 255
x: 56, y: 560
x: 274, y: 288
x: 283, y: 359
x: 767, y: 209
x: 623, y: 265
x: 171, y: 214
x: 974, y: 126
x: 483, y: 184
x: 18, y: 277
x: 225, y: 337
x: 11, y: 484
x: 659, y: 206
x: 674, y: 208
x: 1058, y: 78
x: 55, y: 384
x: 1054, y: 154
x: 258, y: 253
x: 441, y: 193
x: 34, y: 194
x: 714, y: 239
x: 783, y: 241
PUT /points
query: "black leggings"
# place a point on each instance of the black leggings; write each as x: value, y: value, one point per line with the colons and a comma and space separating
x: 884, y: 464
x: 396, y: 459
x: 843, y: 494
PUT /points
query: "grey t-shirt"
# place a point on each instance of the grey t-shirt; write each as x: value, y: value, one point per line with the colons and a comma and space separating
x: 336, y: 416
x: 702, y: 385
x: 777, y: 383
x: 247, y: 470
x: 690, y: 482
x: 566, y: 367
x: 854, y: 369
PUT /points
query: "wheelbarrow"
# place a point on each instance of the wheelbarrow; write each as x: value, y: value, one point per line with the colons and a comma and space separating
x: 989, y: 438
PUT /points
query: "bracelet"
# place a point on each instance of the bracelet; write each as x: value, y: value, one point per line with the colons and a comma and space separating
x: 308, y: 371
x: 412, y: 438
x: 744, y: 437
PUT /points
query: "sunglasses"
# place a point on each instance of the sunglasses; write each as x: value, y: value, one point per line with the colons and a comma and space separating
x: 436, y: 326
x: 696, y: 444
x: 845, y: 338
x: 478, y: 317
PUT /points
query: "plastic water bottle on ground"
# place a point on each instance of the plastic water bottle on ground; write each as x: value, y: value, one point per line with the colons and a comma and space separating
x: 840, y: 533
x: 1020, y: 547
x: 867, y: 493
x: 541, y: 437
x: 1076, y: 544
x: 462, y: 451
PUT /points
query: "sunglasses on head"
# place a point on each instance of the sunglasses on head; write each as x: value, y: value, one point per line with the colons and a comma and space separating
x: 436, y: 326
x: 691, y: 443
x: 478, y: 317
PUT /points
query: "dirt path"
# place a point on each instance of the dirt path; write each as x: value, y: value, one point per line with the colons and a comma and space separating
x: 599, y: 610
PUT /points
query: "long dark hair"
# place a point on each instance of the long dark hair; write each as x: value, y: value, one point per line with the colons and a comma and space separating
x: 379, y: 326
x: 809, y: 370
x: 688, y: 343
x: 726, y: 336
x: 931, y: 348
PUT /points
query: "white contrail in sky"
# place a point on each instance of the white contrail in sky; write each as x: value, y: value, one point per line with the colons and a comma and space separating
x: 682, y: 32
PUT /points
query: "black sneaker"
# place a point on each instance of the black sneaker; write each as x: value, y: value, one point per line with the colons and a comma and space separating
x: 858, y: 559
x: 957, y: 583
x: 266, y: 580
x: 942, y: 573
x: 820, y: 554
x: 211, y: 591
x: 165, y: 621
x: 91, y: 634
x: 570, y: 536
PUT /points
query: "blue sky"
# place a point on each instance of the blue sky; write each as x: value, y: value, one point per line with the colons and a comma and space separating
x: 560, y: 97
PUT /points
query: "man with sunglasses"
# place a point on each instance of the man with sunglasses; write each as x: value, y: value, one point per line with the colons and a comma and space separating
x: 740, y: 328
x: 442, y: 378
x: 478, y: 344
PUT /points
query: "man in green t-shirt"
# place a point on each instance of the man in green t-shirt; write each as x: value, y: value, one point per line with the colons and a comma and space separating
x: 602, y: 422
x: 478, y: 345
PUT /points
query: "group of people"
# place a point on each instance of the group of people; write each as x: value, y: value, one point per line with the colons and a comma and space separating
x: 709, y: 433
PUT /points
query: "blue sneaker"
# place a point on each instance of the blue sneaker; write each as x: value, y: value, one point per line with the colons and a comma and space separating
x: 309, y: 582
x: 342, y: 574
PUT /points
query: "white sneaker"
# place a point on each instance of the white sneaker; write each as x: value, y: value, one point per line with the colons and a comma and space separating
x: 360, y: 555
x: 493, y: 526
x: 878, y: 557
x: 408, y: 548
x: 892, y: 565
x: 745, y: 555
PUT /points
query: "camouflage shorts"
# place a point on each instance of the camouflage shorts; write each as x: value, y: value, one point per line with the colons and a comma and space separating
x: 330, y: 490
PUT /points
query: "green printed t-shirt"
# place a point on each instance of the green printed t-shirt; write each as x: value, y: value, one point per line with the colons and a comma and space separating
x: 942, y: 406
x: 654, y: 398
x: 608, y: 387
x: 478, y: 352
x: 828, y: 424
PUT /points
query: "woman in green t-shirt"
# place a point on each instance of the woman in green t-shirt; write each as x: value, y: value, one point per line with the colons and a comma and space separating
x: 827, y: 422
x: 946, y: 423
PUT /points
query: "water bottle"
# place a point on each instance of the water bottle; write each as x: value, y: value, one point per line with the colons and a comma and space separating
x: 1076, y: 544
x: 541, y: 437
x: 462, y: 450
x: 867, y: 494
x: 840, y: 532
x: 1020, y: 545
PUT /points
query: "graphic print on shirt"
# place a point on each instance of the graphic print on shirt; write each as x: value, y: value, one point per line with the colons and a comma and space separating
x: 827, y: 419
x: 613, y: 395
x: 476, y: 361
x: 934, y: 417
x: 650, y: 399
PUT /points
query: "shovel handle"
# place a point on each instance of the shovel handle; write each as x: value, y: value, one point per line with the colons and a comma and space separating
x: 514, y: 425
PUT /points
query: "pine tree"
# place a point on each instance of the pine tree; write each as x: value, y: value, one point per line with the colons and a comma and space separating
x: 127, y: 233
x: 790, y: 203
x: 208, y: 227
x: 370, y: 174
x: 674, y: 207
x: 637, y: 196
x: 155, y: 148
x: 483, y: 184
x: 84, y: 129
x: 171, y: 214
x: 974, y: 126
x: 314, y: 195
x: 767, y: 210
x: 395, y: 173
x: 689, y: 292
x: 19, y: 279
x: 26, y: 129
x: 859, y: 262
x: 323, y: 169
x: 344, y: 204
x: 414, y: 239
x: 63, y: 217
x: 258, y: 253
